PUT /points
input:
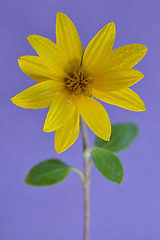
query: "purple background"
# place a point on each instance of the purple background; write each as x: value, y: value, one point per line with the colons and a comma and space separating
x: 131, y: 211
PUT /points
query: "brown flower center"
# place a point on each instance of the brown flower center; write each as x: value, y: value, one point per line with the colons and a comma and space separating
x: 79, y: 83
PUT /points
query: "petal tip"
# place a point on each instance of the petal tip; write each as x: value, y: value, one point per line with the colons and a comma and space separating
x: 58, y: 151
x: 60, y: 14
x: 141, y: 75
x: 146, y: 49
x: 108, y: 139
x: 19, y: 61
x: 141, y: 108
x: 29, y: 37
x: 144, y: 108
x: 112, y: 24
x: 11, y: 99
x: 45, y: 129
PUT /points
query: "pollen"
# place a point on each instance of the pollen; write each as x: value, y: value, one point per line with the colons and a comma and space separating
x: 79, y: 83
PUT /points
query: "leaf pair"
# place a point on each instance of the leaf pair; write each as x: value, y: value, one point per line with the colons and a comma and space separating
x: 53, y: 171
x: 103, y: 154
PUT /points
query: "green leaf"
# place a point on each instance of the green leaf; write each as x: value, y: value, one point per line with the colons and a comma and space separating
x: 122, y: 136
x: 108, y: 164
x: 47, y: 173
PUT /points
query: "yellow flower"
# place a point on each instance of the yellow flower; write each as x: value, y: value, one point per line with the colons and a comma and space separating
x: 68, y: 79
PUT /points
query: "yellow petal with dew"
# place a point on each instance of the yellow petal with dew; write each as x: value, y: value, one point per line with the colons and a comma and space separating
x: 38, y: 96
x: 99, y: 48
x: 62, y: 107
x: 52, y: 56
x: 68, y: 134
x: 95, y: 116
x: 68, y: 40
x: 114, y: 80
x: 126, y: 56
x: 124, y: 98
x: 34, y: 67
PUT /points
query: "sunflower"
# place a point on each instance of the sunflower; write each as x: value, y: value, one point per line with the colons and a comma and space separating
x: 69, y: 79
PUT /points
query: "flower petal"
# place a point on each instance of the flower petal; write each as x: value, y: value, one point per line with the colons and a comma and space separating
x: 99, y: 47
x: 95, y: 116
x: 34, y: 67
x: 38, y: 96
x: 52, y: 56
x: 126, y: 56
x: 124, y: 98
x: 68, y: 134
x: 68, y: 40
x: 62, y: 107
x: 116, y: 79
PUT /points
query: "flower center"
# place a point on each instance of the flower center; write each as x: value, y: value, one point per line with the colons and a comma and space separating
x: 79, y: 83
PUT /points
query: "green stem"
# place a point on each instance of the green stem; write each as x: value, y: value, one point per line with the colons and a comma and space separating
x: 86, y: 184
x: 79, y: 172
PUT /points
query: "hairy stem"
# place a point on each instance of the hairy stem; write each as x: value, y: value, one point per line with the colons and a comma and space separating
x: 86, y: 184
